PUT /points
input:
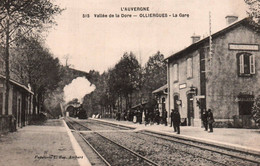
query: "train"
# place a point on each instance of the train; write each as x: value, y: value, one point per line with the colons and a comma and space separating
x: 77, y: 112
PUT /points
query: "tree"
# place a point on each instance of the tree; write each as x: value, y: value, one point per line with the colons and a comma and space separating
x: 43, y: 70
x: 100, y: 99
x: 125, y: 78
x: 254, y: 10
x: 19, y: 18
x: 155, y: 74
x: 256, y: 110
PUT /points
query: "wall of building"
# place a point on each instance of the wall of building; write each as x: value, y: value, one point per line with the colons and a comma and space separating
x: 223, y: 82
x: 182, y: 86
x: 20, y: 104
x: 1, y: 96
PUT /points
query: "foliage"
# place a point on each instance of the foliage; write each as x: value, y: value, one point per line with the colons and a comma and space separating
x: 52, y: 102
x: 126, y: 84
x: 42, y: 69
x: 125, y: 78
x: 256, y: 111
x: 155, y: 74
x: 254, y: 10
x: 21, y: 18
x: 99, y: 98
x: 125, y: 75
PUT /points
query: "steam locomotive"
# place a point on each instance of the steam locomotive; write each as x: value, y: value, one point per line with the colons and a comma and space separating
x: 77, y: 112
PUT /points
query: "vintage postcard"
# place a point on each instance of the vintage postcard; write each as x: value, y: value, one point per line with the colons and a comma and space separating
x: 141, y: 82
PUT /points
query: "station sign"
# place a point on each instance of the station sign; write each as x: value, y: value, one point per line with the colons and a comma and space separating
x: 245, y: 47
x: 182, y: 86
x: 200, y: 97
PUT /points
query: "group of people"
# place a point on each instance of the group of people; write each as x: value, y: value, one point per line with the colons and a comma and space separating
x: 207, y: 119
x: 155, y: 116
x: 151, y: 117
x: 134, y: 116
x: 148, y: 116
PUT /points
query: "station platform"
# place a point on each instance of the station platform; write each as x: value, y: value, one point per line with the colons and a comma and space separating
x: 40, y: 145
x: 238, y: 139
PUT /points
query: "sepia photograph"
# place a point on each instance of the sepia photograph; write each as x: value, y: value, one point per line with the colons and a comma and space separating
x: 129, y: 83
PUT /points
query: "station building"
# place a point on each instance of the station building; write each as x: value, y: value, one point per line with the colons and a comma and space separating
x: 20, y: 103
x: 20, y: 99
x: 220, y: 72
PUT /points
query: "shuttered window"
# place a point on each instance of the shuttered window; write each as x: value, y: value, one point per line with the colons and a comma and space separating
x: 175, y: 72
x: 189, y: 67
x: 241, y: 64
x: 252, y: 64
x: 246, y: 64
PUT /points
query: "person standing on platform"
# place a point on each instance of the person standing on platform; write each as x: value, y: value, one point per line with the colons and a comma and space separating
x: 134, y: 116
x: 157, y: 116
x: 172, y: 113
x: 176, y: 121
x: 165, y: 117
x: 140, y: 116
x: 204, y: 118
x: 137, y: 115
x: 210, y: 120
x: 146, y: 117
x: 151, y: 117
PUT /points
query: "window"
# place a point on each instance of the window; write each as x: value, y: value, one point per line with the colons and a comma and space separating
x: 246, y: 64
x: 175, y: 72
x: 189, y: 67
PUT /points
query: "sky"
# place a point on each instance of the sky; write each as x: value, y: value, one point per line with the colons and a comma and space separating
x: 99, y: 43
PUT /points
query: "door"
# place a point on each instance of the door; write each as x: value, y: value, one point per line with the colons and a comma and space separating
x: 19, y: 113
x: 245, y: 109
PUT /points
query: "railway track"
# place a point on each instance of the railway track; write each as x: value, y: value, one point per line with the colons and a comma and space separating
x: 108, y: 126
x: 252, y: 159
x: 249, y: 159
x: 236, y: 154
x: 92, y: 139
x: 246, y: 156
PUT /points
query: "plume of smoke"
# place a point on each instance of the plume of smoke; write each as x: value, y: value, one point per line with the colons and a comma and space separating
x: 78, y: 88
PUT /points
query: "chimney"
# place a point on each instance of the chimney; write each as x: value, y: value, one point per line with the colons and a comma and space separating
x: 195, y: 38
x: 230, y: 19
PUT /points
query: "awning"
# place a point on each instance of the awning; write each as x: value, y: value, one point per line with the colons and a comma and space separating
x: 17, y: 84
x: 161, y: 89
x: 139, y: 105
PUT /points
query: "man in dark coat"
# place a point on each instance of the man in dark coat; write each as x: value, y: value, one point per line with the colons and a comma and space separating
x: 151, y: 117
x: 204, y: 118
x: 172, y: 113
x: 165, y: 117
x: 140, y: 115
x: 176, y: 121
x: 157, y: 116
x: 210, y: 120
